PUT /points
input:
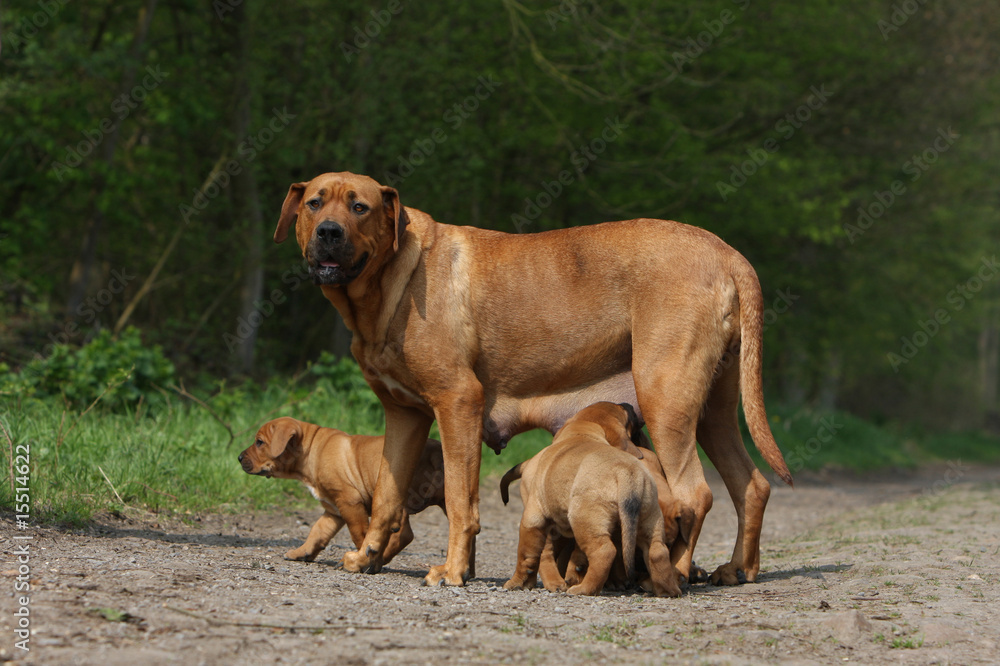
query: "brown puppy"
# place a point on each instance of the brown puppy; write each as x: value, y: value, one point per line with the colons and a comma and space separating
x: 341, y: 471
x: 493, y: 334
x: 677, y: 519
x: 580, y: 487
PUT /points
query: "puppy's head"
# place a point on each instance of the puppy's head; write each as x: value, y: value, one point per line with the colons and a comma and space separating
x: 344, y: 223
x: 621, y: 425
x: 276, y: 448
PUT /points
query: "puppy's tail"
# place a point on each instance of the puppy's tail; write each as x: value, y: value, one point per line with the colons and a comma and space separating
x: 628, y: 516
x: 513, y: 474
x: 751, y: 364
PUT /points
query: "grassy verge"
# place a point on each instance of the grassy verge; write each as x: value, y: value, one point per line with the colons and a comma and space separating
x: 175, y: 455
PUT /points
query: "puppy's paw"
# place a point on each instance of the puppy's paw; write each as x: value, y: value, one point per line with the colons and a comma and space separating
x: 300, y: 555
x: 559, y: 586
x: 440, y: 575
x: 583, y: 590
x: 667, y: 588
x: 698, y: 575
x: 728, y: 574
x: 357, y: 562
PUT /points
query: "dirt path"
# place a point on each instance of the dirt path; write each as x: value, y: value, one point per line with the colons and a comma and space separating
x: 868, y: 570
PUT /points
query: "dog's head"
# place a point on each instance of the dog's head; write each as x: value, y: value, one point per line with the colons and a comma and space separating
x: 621, y: 425
x: 276, y: 448
x: 344, y: 223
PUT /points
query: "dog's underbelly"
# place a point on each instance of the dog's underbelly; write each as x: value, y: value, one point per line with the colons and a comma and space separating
x: 506, y: 416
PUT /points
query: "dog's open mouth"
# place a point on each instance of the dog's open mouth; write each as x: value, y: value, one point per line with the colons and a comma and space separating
x: 334, y: 273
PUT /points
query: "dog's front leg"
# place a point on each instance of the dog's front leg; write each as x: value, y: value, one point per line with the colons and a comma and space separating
x: 460, y: 419
x: 320, y: 534
x: 405, y: 435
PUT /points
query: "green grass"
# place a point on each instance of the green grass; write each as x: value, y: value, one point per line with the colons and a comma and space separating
x: 175, y: 456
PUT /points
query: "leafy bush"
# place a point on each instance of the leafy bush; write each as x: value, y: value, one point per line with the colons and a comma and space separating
x: 343, y: 376
x: 123, y: 367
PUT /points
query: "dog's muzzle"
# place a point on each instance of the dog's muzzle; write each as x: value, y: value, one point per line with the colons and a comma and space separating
x: 331, y: 256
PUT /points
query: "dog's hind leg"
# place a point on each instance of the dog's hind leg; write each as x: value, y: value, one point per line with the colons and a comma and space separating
x: 719, y: 435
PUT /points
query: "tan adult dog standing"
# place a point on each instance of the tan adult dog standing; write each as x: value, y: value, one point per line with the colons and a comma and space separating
x: 581, y: 488
x: 493, y: 334
x: 341, y: 471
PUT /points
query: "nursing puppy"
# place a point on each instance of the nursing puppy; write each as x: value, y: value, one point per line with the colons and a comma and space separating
x: 341, y: 471
x: 580, y: 487
x: 677, y: 519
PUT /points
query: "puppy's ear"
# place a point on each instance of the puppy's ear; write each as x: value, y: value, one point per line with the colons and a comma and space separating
x: 685, y: 521
x: 633, y: 431
x: 289, y: 211
x: 285, y: 435
x: 634, y: 428
x: 395, y: 212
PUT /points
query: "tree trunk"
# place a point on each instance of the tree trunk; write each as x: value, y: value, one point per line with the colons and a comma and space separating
x: 247, y: 206
x: 83, y: 268
x: 989, y: 367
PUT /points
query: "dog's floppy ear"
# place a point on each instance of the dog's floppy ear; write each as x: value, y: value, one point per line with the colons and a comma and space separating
x: 633, y: 427
x: 289, y: 211
x: 685, y: 521
x: 395, y: 210
x: 285, y: 434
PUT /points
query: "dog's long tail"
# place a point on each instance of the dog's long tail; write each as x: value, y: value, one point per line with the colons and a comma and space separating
x: 513, y: 474
x: 628, y: 516
x: 751, y: 364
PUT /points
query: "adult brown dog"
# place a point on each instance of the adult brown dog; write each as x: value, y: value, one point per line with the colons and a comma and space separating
x: 582, y: 489
x: 340, y: 470
x: 493, y: 334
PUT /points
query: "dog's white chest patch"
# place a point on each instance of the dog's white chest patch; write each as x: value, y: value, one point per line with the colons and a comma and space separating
x: 400, y: 392
x: 313, y: 491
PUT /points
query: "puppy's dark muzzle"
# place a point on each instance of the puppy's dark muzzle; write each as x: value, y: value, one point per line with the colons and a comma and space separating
x: 245, y: 463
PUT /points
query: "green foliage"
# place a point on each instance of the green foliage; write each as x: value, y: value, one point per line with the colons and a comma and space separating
x: 698, y: 97
x: 123, y: 370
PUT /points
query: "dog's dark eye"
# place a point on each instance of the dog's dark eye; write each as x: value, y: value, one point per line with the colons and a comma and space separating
x: 259, y: 442
x: 314, y: 204
x: 360, y: 208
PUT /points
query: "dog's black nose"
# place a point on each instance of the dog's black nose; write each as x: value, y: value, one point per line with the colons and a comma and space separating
x: 330, y: 232
x: 240, y: 458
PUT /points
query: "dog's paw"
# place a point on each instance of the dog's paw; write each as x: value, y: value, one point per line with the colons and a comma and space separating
x: 582, y: 590
x: 358, y: 562
x: 440, y: 575
x: 557, y: 587
x: 514, y: 585
x: 300, y: 555
x: 667, y: 588
x: 728, y: 574
x: 698, y: 575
